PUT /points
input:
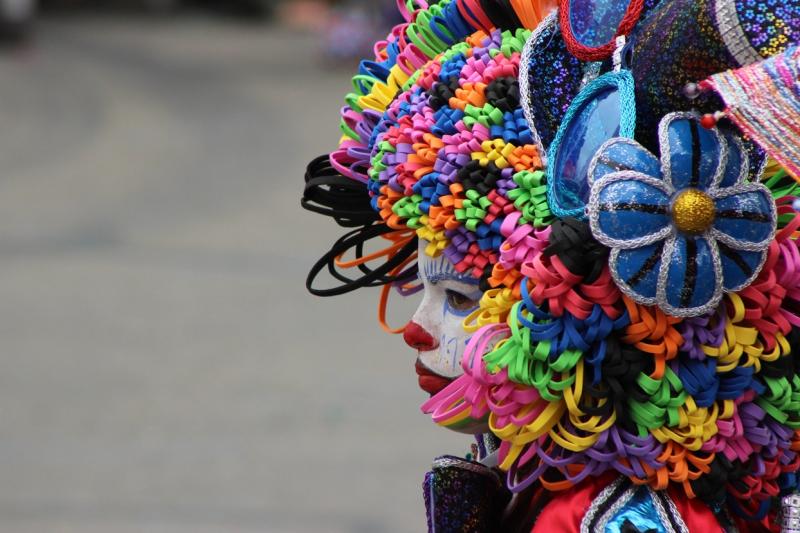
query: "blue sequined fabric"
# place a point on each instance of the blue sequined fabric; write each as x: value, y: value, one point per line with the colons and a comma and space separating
x: 677, y: 44
x: 463, y: 497
x: 681, y: 42
x: 555, y: 79
x: 770, y: 25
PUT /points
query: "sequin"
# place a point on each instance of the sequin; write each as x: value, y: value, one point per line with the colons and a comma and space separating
x: 770, y: 26
x: 554, y: 80
x: 463, y: 496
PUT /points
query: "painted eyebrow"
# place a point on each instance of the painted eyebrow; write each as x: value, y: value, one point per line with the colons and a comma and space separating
x: 448, y: 276
x: 440, y: 269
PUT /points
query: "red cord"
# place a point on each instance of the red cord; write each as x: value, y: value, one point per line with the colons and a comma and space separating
x: 587, y: 53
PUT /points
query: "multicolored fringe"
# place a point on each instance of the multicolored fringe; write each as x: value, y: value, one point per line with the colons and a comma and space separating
x: 763, y: 100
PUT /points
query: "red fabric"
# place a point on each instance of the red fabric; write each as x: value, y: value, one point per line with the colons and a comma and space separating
x: 564, y: 513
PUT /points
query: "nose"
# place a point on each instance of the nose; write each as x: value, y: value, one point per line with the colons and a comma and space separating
x: 419, y: 339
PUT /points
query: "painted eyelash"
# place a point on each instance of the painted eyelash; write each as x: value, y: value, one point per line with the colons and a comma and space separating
x: 464, y: 312
x: 434, y: 279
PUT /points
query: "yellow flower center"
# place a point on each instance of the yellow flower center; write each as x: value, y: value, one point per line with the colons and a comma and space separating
x: 693, y: 211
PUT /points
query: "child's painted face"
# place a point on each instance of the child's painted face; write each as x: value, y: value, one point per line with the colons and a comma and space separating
x: 436, y: 329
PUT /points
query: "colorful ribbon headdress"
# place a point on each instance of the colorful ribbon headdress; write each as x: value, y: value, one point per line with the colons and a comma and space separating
x: 639, y: 252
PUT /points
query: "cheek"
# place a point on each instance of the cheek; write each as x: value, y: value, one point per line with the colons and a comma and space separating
x: 453, y: 339
x: 453, y: 330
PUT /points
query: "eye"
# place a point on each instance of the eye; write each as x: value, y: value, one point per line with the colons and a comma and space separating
x: 459, y: 302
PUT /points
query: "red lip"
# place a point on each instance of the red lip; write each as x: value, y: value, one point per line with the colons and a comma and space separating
x: 428, y: 381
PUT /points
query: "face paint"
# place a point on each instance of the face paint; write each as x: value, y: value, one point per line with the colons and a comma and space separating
x: 436, y: 329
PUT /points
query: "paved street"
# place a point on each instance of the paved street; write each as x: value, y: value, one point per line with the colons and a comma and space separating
x: 162, y: 368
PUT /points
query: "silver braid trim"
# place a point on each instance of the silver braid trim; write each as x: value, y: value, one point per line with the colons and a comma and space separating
x: 601, y: 498
x: 549, y: 22
x: 662, y: 512
x: 790, y: 513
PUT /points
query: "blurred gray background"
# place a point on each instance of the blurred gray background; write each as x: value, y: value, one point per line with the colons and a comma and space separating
x: 162, y: 368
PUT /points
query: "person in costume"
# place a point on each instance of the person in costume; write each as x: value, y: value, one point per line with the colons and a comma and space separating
x: 597, y: 198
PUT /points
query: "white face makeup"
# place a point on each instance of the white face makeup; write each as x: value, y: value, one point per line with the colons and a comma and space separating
x: 448, y: 298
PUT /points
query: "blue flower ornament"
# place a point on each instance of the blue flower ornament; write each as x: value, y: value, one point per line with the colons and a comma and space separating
x: 685, y: 228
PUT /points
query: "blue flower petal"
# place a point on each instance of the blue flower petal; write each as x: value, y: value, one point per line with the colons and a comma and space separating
x: 739, y: 267
x: 620, y: 154
x: 745, y: 217
x: 629, y: 210
x: 636, y: 271
x: 692, y: 283
x: 737, y: 167
x: 691, y: 157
